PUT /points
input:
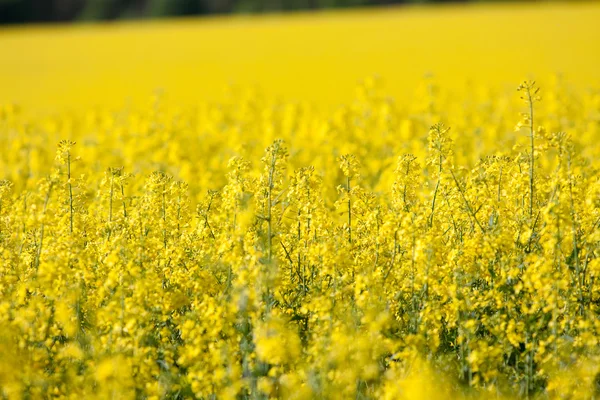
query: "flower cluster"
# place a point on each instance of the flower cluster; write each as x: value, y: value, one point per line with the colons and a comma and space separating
x: 259, y: 249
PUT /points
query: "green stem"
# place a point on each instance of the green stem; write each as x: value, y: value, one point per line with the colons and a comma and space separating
x: 123, y: 197
x: 532, y: 159
x: 437, y: 186
x: 574, y: 233
x: 110, y: 204
x: 349, y: 211
x: 39, y: 250
x: 164, y: 214
x: 70, y: 190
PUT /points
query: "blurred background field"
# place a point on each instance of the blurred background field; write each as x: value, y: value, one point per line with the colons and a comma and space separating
x: 19, y: 11
x: 316, y: 57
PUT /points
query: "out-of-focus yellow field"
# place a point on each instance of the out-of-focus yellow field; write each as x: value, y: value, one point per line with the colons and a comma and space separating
x: 302, y: 57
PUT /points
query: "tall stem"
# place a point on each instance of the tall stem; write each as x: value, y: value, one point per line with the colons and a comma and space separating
x: 110, y: 202
x: 349, y: 211
x: 269, y: 211
x: 164, y: 214
x: 574, y: 234
x: 39, y: 249
x: 70, y: 190
x: 532, y: 158
x: 437, y: 186
x: 123, y: 197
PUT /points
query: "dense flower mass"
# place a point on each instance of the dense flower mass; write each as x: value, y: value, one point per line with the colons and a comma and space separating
x: 441, y: 246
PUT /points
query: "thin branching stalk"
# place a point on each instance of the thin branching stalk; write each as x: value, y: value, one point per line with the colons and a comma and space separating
x: 348, y: 189
x: 270, y: 207
x: 393, y: 260
x: 164, y: 213
x: 574, y: 234
x: 110, y: 201
x: 531, y: 92
x: 39, y: 247
x: 532, y: 158
x: 70, y: 185
x: 123, y: 199
x: 435, y: 192
x: 468, y: 205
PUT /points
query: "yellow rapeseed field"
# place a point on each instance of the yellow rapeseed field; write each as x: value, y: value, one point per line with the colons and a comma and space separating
x: 313, y: 57
x: 375, y: 204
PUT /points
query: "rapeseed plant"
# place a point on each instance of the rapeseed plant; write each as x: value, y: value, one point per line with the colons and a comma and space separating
x: 260, y: 249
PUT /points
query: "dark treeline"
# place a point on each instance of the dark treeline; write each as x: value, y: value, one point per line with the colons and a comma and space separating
x: 25, y: 11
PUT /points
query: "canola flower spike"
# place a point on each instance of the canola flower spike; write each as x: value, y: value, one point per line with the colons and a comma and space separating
x: 262, y: 249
